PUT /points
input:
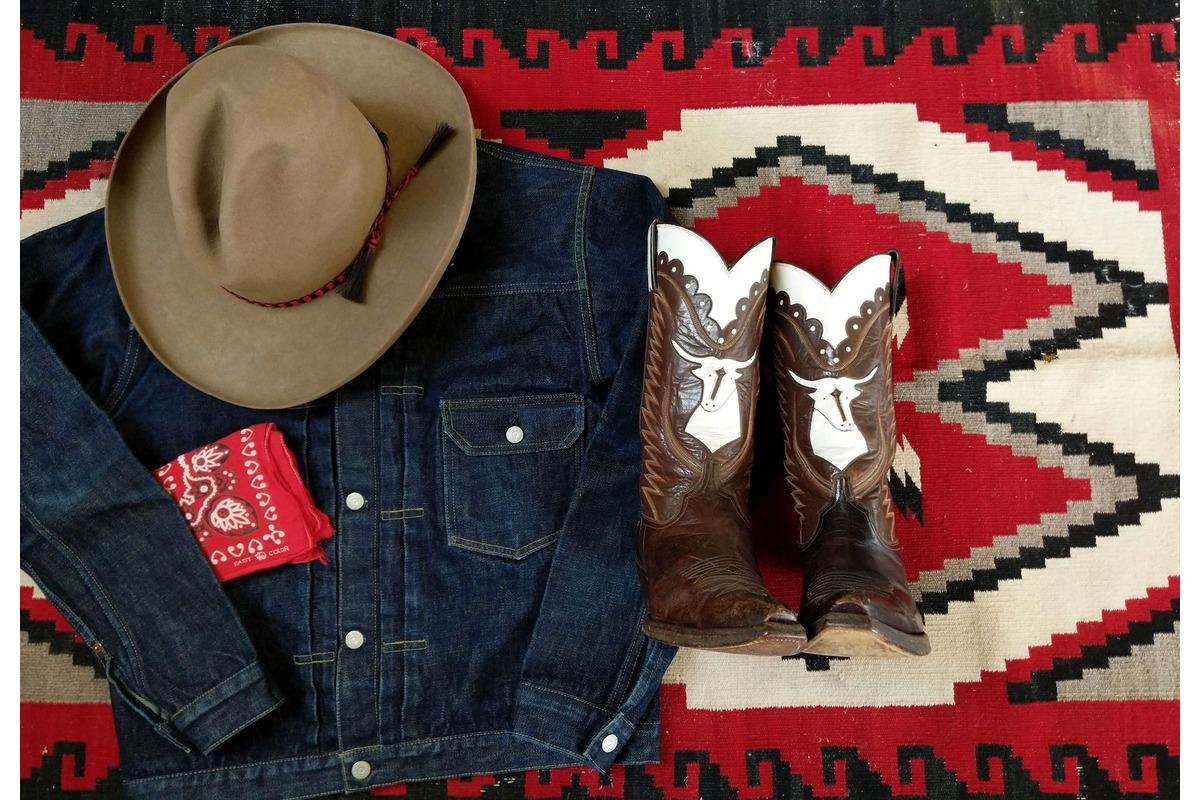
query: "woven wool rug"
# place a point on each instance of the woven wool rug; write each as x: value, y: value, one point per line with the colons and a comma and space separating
x: 1026, y: 166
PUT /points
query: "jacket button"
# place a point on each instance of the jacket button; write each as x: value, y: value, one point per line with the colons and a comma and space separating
x: 355, y: 501
x: 610, y: 743
x: 354, y: 640
x: 361, y: 770
x: 514, y: 434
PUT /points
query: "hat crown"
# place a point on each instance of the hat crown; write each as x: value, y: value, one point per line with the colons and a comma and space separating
x: 274, y: 175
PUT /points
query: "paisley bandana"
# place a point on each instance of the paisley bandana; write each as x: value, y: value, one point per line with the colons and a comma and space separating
x: 246, y: 504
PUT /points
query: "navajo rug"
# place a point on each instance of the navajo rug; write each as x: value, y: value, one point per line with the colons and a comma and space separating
x: 1022, y: 157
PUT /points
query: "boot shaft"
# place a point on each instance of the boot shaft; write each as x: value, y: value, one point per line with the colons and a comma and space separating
x: 699, y: 392
x: 833, y: 373
x: 702, y: 371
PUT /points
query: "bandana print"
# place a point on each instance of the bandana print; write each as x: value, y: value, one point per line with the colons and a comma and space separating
x: 246, y: 504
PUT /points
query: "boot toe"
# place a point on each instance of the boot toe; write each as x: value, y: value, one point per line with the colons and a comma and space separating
x: 746, y: 610
x: 898, y: 612
x: 752, y: 624
x: 864, y: 624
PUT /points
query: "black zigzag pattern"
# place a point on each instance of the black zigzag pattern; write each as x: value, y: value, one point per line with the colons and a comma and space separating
x: 102, y: 150
x: 43, y: 631
x: 971, y: 390
x: 906, y: 495
x: 1043, y: 684
x: 960, y: 25
x: 995, y: 116
x: 788, y: 783
x: 575, y: 130
x: 839, y: 764
x: 45, y: 780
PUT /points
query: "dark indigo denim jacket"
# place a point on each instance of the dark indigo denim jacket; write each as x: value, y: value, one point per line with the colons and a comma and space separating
x: 494, y: 583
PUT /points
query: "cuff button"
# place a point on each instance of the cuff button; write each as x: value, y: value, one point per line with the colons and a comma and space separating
x: 609, y: 743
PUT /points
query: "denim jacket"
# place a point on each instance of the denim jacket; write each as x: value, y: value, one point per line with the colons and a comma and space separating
x: 492, y: 583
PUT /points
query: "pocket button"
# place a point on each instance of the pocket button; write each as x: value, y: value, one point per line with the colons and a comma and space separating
x: 514, y: 434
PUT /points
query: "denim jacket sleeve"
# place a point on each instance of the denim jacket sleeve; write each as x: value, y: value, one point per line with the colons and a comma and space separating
x: 103, y: 539
x: 580, y: 692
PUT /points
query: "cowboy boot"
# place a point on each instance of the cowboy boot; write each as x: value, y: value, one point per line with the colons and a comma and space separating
x: 833, y: 372
x: 697, y: 565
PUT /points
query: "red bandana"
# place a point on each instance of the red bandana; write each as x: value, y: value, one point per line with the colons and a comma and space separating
x: 245, y: 502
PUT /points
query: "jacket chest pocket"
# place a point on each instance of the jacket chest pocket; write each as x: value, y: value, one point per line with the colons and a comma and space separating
x: 510, y: 465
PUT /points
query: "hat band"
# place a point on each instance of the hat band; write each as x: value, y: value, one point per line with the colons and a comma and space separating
x: 349, y: 282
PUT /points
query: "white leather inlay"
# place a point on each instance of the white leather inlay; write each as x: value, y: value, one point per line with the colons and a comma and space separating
x: 717, y: 419
x: 833, y: 308
x: 725, y: 286
x: 832, y: 432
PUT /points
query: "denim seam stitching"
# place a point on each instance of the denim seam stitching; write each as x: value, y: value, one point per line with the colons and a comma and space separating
x: 376, y: 492
x: 308, y: 659
x: 343, y: 753
x: 125, y: 375
x: 640, y: 687
x: 215, y: 687
x: 530, y: 400
x: 585, y: 296
x: 310, y: 577
x: 246, y: 725
x: 109, y: 610
x: 402, y: 513
x: 402, y: 389
x: 632, y: 655
x: 428, y: 740
x: 450, y: 497
x: 337, y: 687
x: 517, y: 553
x: 538, y: 687
x: 190, y: 772
x: 586, y: 758
x: 532, y: 161
x: 405, y: 646
x: 501, y: 290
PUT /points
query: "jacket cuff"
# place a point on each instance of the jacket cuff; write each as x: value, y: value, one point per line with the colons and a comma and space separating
x: 570, y: 725
x: 226, y: 709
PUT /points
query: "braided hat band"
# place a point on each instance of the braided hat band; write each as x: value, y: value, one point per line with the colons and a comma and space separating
x: 349, y: 283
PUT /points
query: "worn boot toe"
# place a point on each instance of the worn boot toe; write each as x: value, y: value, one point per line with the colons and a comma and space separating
x: 865, y: 623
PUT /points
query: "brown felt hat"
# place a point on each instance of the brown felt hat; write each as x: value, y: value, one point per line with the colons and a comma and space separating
x: 246, y: 198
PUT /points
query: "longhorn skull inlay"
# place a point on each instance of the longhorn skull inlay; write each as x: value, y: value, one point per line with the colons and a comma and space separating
x: 831, y: 429
x: 716, y: 421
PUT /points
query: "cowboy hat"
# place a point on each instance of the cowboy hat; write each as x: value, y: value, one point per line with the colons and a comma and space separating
x: 284, y: 206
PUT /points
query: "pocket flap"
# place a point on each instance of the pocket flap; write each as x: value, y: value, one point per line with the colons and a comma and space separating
x: 512, y: 425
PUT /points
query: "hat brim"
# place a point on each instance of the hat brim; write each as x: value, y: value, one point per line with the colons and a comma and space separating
x: 275, y: 358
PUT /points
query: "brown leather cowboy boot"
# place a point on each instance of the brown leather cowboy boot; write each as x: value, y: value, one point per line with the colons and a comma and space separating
x: 833, y: 371
x: 702, y: 585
